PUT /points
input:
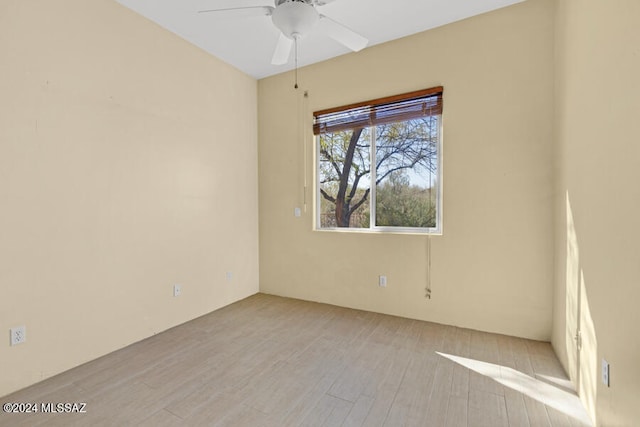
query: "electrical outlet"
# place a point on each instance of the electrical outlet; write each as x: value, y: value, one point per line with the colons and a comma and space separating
x: 229, y: 276
x: 18, y: 335
x: 382, y: 281
x: 605, y: 372
x: 177, y: 290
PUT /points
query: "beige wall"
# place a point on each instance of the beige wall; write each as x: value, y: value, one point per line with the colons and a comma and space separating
x: 492, y: 269
x: 598, y: 159
x: 128, y: 163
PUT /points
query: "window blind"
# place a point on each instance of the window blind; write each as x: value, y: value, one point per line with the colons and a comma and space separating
x: 412, y: 105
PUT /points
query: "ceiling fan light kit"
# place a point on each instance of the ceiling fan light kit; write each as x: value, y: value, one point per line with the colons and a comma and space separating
x: 295, y: 18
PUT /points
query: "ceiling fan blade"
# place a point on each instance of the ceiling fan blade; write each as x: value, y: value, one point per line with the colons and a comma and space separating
x: 283, y: 50
x: 342, y: 34
x: 241, y: 12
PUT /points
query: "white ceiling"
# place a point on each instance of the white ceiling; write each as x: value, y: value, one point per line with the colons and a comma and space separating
x: 248, y: 43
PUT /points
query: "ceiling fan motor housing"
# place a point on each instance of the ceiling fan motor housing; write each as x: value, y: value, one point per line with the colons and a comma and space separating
x: 295, y: 18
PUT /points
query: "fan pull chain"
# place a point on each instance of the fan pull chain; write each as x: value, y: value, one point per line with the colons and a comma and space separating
x: 295, y: 41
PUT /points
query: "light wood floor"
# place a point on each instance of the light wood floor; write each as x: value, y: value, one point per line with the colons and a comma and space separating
x: 271, y: 361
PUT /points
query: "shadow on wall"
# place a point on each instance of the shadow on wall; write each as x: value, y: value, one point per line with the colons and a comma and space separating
x: 580, y: 334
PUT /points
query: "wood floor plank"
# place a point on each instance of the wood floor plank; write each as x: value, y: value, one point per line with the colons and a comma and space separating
x: 277, y: 390
x: 359, y: 411
x: 362, y: 372
x: 484, y: 348
x: 300, y: 409
x: 460, y: 380
x: 557, y: 418
x: 389, y: 372
x: 385, y: 390
x: 417, y: 385
x: 162, y: 418
x: 537, y: 413
x: 438, y: 405
x: 243, y: 416
x: 188, y: 404
x: 214, y: 410
x: 330, y: 411
x: 487, y: 409
x: 457, y: 412
x: 516, y: 409
x: 271, y: 361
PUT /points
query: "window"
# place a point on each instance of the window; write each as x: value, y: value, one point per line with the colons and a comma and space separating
x: 379, y: 164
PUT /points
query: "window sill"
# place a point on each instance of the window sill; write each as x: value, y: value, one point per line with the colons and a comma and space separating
x: 382, y: 230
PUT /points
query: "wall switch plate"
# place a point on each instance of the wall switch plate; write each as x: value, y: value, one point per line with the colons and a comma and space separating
x: 18, y: 335
x: 605, y: 372
x: 177, y: 290
x: 297, y: 212
x: 229, y: 276
x: 382, y: 281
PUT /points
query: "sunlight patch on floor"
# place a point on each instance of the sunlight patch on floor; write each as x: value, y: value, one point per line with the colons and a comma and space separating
x: 565, y: 402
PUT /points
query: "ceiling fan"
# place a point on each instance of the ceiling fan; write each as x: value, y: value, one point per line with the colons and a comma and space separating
x: 295, y: 19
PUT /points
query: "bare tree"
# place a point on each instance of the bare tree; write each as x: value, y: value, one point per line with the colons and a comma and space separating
x: 345, y: 161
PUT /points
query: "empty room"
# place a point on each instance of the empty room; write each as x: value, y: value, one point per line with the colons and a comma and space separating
x: 319, y: 213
